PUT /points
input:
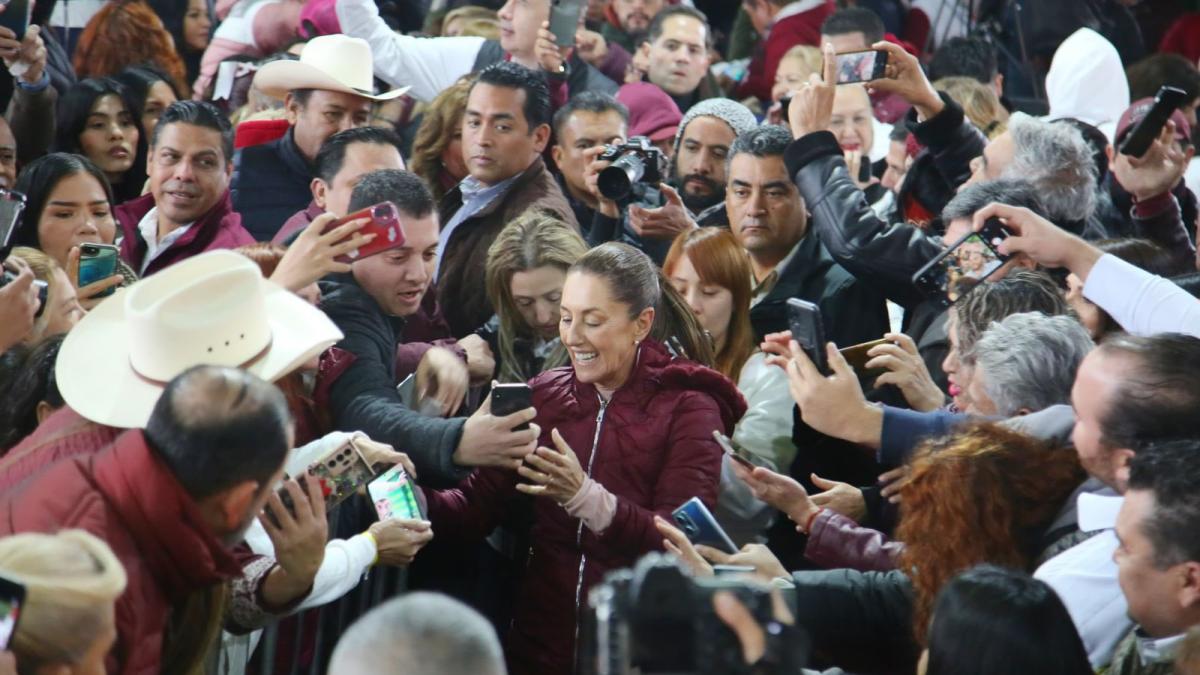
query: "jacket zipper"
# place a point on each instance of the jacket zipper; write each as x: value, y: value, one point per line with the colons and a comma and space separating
x: 579, y: 530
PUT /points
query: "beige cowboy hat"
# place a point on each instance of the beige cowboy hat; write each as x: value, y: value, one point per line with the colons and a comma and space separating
x: 330, y: 62
x: 212, y: 309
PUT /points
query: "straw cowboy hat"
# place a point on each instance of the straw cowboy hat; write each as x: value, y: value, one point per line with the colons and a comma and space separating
x: 212, y: 309
x: 330, y: 62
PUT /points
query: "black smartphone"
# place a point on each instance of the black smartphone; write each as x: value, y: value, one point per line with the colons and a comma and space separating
x: 12, y: 204
x: 96, y: 263
x: 863, y: 66
x: 739, y: 454
x: 1138, y: 140
x: 955, y: 271
x: 564, y: 21
x: 510, y: 398
x: 15, y: 16
x: 807, y: 329
x: 12, y: 597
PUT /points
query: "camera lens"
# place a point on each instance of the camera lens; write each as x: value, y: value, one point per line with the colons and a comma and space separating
x: 616, y: 181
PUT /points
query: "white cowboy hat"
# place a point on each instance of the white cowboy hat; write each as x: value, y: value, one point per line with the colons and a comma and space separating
x: 329, y: 62
x: 213, y: 309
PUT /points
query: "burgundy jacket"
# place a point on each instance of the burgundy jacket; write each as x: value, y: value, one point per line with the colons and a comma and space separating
x: 221, y: 227
x: 803, y: 28
x: 127, y: 497
x: 63, y: 435
x: 299, y: 221
x: 835, y: 541
x: 651, y: 446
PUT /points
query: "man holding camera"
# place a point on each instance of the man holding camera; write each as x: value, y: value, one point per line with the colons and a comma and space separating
x: 505, y: 129
x: 694, y: 192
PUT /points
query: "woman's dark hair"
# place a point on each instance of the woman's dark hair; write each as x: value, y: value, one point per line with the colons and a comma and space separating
x: 1002, y: 622
x: 139, y: 79
x: 37, y: 182
x: 32, y: 383
x: 635, y: 281
x: 73, y: 111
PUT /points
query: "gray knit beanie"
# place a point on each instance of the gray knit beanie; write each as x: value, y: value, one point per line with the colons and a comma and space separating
x: 737, y: 116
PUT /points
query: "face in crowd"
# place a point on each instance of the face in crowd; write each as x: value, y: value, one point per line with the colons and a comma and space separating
x: 851, y: 119
x: 711, y: 303
x: 110, y: 137
x: 580, y: 132
x: 360, y: 160
x: 397, y: 279
x: 322, y: 114
x: 766, y: 212
x: 519, y: 24
x: 600, y: 333
x: 635, y: 15
x: 76, y: 212
x: 699, y: 166
x: 678, y: 59
x: 189, y: 172
x: 497, y: 142
x: 537, y: 294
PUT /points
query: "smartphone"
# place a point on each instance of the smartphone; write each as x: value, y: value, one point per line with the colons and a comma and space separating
x: 384, y: 223
x: 700, y: 527
x: 16, y: 15
x: 861, y: 66
x: 732, y: 570
x: 12, y: 204
x: 340, y: 471
x: 1166, y: 101
x: 857, y: 357
x: 96, y: 263
x: 395, y: 496
x: 564, y: 20
x: 739, y: 454
x: 807, y: 329
x: 510, y: 398
x: 958, y: 269
x: 12, y: 597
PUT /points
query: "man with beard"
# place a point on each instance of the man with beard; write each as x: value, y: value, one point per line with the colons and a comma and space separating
x: 628, y: 19
x: 696, y: 187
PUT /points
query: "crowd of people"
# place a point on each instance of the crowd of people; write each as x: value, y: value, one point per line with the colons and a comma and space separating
x: 262, y: 255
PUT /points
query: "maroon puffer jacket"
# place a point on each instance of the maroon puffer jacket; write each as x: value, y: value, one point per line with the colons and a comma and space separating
x: 651, y: 446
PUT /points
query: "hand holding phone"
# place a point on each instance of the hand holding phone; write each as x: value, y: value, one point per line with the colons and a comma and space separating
x: 395, y: 496
x: 858, y: 355
x: 698, y: 523
x: 1138, y: 140
x: 965, y: 264
x: 861, y: 66
x: 97, y: 269
x: 808, y: 331
x: 510, y: 398
x: 383, y: 222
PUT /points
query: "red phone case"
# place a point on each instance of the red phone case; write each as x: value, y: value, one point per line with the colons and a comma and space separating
x: 384, y: 223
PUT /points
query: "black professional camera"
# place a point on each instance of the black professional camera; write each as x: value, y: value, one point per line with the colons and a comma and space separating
x: 634, y: 161
x: 657, y: 618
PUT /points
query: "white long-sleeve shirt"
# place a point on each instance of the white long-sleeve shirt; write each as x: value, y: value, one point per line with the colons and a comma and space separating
x: 428, y: 65
x: 1141, y: 302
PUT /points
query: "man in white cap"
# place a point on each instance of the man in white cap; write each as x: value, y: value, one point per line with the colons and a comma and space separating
x: 331, y: 88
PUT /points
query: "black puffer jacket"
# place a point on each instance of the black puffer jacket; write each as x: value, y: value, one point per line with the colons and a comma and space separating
x: 364, y: 397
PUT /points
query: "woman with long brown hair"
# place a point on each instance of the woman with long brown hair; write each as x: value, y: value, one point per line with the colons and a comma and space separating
x: 437, y: 148
x: 526, y: 267
x: 712, y: 272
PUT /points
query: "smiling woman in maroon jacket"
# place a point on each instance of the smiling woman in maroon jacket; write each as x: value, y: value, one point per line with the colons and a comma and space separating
x: 626, y: 433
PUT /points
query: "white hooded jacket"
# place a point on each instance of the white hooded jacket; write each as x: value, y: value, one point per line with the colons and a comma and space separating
x: 1086, y: 81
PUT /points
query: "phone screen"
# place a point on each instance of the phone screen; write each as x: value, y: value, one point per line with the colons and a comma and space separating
x: 12, y: 595
x: 394, y: 495
x: 11, y: 206
x: 861, y: 66
x: 966, y: 263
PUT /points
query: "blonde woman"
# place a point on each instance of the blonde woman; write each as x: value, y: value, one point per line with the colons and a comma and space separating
x: 437, y: 149
x: 71, y: 581
x: 61, y: 309
x: 978, y: 101
x: 526, y: 268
